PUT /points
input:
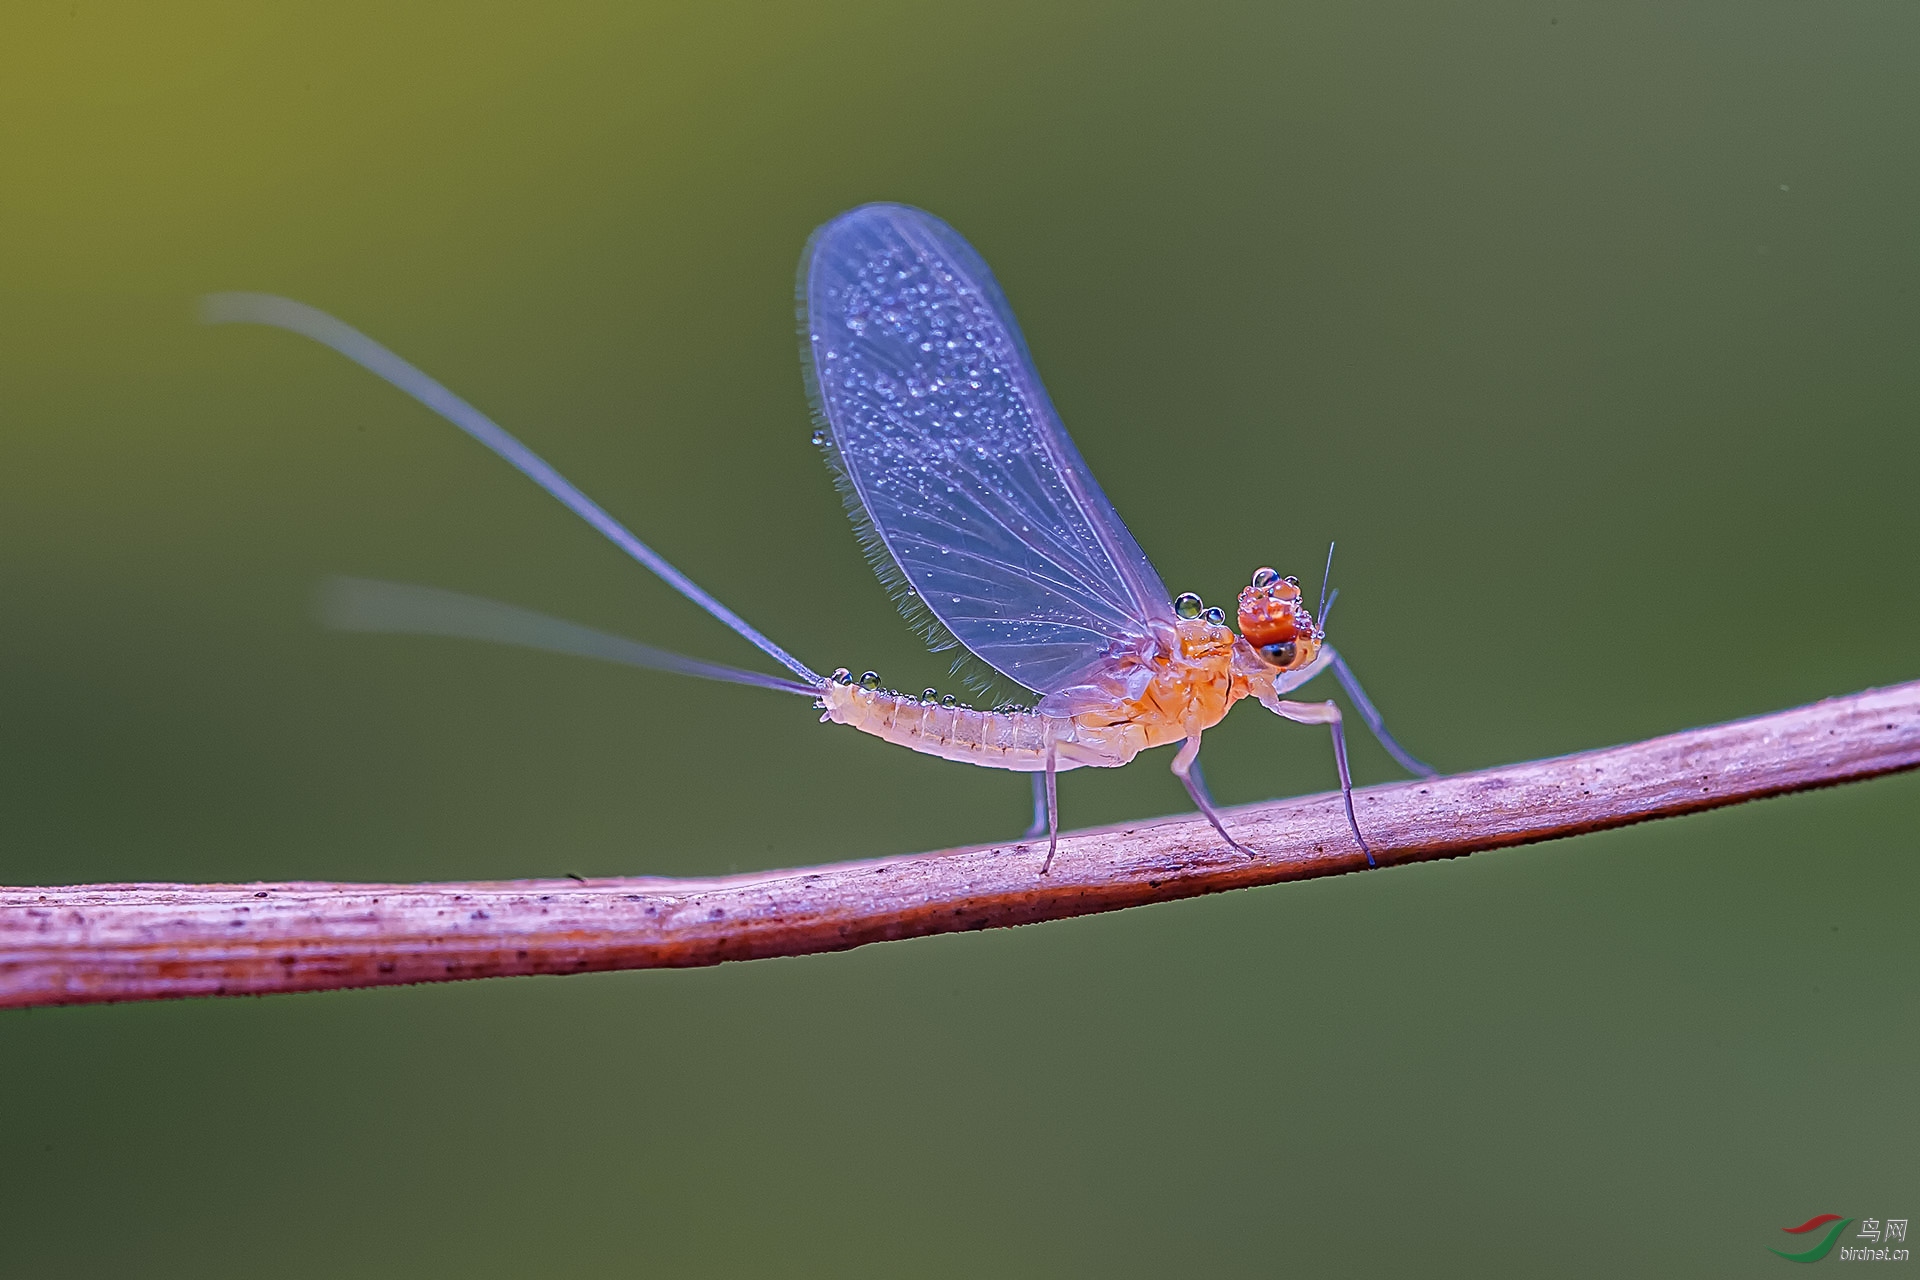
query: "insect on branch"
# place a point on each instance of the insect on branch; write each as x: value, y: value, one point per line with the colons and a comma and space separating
x: 110, y: 942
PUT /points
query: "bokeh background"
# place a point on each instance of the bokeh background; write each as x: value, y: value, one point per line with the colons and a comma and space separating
x: 1589, y: 331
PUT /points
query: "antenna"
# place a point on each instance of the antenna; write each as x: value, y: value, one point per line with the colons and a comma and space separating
x: 1326, y: 575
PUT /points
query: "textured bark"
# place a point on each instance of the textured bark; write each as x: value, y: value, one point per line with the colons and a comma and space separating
x: 106, y: 942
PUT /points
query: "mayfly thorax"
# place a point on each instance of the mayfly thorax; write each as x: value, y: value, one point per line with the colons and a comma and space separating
x: 977, y: 509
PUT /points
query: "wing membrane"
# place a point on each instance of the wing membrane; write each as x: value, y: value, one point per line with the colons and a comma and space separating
x: 943, y: 431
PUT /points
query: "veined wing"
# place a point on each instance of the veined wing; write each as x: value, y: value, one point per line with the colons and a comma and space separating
x: 941, y: 429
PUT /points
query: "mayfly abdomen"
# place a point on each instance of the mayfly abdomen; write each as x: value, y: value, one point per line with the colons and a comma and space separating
x: 1015, y: 740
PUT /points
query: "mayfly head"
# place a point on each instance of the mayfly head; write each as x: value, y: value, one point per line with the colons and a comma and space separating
x: 1277, y: 625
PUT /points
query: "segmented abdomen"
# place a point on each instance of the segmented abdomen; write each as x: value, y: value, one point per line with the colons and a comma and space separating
x: 1015, y: 740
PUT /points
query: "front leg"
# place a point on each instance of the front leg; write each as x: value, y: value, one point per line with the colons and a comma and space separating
x: 1371, y: 714
x: 1328, y: 714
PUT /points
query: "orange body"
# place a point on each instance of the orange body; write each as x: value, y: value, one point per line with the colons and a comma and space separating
x: 1192, y: 675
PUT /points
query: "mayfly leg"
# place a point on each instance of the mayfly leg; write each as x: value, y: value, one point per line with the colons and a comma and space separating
x: 1371, y: 714
x: 1328, y: 713
x: 1186, y: 767
x: 1053, y: 808
x: 1038, y: 827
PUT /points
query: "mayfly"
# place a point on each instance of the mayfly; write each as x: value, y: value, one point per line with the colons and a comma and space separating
x: 975, y: 506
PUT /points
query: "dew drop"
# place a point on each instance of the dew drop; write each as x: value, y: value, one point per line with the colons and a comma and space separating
x: 1264, y: 577
x: 871, y: 680
x: 820, y: 437
x: 928, y: 695
x: 842, y: 676
x: 951, y: 699
x: 1186, y: 605
x: 1216, y: 615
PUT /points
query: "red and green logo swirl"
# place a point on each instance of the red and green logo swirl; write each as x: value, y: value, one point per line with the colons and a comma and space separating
x: 1826, y: 1244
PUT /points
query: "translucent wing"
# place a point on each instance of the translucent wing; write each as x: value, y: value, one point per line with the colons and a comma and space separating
x: 940, y: 428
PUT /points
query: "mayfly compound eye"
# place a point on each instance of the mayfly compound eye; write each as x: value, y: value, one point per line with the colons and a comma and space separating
x: 1282, y: 654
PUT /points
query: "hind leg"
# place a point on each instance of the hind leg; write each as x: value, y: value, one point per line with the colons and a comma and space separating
x: 1053, y: 812
x: 1038, y: 827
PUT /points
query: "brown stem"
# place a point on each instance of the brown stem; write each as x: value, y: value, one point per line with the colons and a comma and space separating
x: 106, y: 942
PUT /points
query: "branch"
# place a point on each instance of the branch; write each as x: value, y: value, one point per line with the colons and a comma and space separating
x: 106, y: 942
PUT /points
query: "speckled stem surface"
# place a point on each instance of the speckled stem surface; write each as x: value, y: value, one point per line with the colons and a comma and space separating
x: 106, y: 942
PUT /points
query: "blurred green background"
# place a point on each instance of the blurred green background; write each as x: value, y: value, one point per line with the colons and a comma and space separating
x: 1590, y: 332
